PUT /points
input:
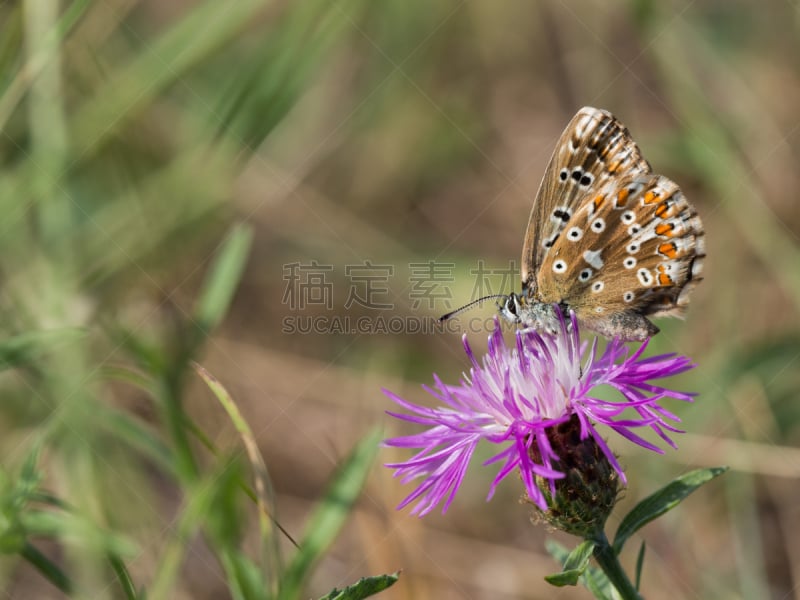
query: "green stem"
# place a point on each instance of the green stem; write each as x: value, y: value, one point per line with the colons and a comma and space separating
x: 607, y: 559
x: 185, y: 464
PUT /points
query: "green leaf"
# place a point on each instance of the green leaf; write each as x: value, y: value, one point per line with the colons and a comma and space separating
x: 593, y: 579
x: 165, y: 60
x: 661, y: 501
x: 123, y: 577
x: 140, y: 436
x: 146, y: 353
x: 50, y: 570
x: 363, y: 588
x: 75, y: 529
x: 329, y: 517
x: 263, y: 487
x: 14, y: 91
x: 575, y: 564
x: 639, y: 565
x: 29, y: 475
x: 223, y: 278
x: 596, y: 582
x: 262, y: 90
x: 23, y: 349
x: 197, y: 504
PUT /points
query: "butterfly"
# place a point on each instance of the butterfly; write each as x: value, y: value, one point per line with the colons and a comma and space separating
x: 607, y: 238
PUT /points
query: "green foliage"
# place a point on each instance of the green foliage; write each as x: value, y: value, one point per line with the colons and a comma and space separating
x: 215, y: 297
x: 328, y: 518
x: 575, y: 563
x: 639, y: 566
x: 662, y: 501
x: 363, y: 588
x: 576, y: 567
x: 142, y: 141
x: 114, y: 172
x: 27, y: 349
x: 591, y: 577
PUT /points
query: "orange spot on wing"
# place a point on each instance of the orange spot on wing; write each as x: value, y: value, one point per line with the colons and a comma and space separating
x: 662, y: 210
x: 622, y: 197
x: 598, y: 201
x: 650, y: 197
x: 668, y: 249
x: 664, y: 229
x: 664, y: 279
x: 614, y: 167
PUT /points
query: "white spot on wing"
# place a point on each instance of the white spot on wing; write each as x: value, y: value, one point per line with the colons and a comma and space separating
x: 593, y: 258
x: 574, y: 234
x: 645, y: 276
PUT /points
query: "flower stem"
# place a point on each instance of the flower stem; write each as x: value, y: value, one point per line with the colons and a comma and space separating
x: 607, y: 559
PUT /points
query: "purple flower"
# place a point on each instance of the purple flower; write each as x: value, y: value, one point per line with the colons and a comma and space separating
x: 514, y: 395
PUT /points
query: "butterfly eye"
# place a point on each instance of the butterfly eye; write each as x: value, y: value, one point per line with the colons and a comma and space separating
x: 628, y: 217
x: 559, y: 266
x: 563, y: 175
x: 632, y: 248
x: 629, y: 262
x: 585, y: 275
x: 598, y: 225
x: 587, y: 180
x: 598, y: 286
x: 628, y: 296
x: 511, y: 305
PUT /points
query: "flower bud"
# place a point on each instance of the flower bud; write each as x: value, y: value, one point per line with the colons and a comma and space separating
x: 586, y: 494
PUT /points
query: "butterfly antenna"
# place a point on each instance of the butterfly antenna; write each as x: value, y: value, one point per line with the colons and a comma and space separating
x: 458, y: 311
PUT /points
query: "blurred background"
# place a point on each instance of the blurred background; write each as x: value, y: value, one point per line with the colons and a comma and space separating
x: 242, y: 184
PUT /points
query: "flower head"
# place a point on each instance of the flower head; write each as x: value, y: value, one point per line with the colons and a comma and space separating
x: 516, y: 395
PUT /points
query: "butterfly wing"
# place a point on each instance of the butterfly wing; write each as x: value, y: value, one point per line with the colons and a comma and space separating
x: 593, y: 149
x: 633, y: 250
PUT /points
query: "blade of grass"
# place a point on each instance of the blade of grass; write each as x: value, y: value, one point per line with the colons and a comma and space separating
x: 264, y: 492
x: 197, y: 503
x: 205, y: 28
x: 46, y: 122
x: 223, y: 279
x: 329, y: 517
x: 15, y: 91
x: 50, y: 570
x: 25, y: 349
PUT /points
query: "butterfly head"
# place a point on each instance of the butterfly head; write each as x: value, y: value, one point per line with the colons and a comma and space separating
x: 511, y: 308
x: 520, y: 309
